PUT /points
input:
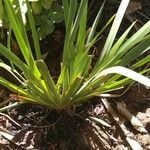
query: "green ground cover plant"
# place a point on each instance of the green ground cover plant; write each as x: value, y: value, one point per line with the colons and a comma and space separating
x: 46, y: 14
x: 79, y: 80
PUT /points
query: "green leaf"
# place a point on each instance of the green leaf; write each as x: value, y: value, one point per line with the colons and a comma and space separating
x: 52, y: 89
x: 94, y: 26
x: 36, y: 7
x: 47, y: 3
x: 16, y: 26
x: 113, y: 31
x: 34, y: 33
x: 45, y: 29
x: 125, y: 72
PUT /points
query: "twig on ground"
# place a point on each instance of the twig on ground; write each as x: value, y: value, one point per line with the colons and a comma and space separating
x: 2, y: 114
x: 100, y: 121
x: 10, y: 106
x: 5, y: 102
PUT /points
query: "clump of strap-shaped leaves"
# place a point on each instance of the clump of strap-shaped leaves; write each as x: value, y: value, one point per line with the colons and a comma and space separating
x: 78, y: 80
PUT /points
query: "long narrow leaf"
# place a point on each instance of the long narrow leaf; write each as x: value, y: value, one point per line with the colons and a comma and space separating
x: 125, y: 72
x: 114, y: 30
x: 94, y: 26
x: 48, y: 79
x: 34, y: 33
x: 16, y: 28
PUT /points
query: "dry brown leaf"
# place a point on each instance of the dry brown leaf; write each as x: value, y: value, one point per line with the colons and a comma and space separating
x: 133, y: 6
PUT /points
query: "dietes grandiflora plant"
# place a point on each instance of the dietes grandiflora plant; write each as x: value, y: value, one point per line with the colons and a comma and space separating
x: 78, y: 80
